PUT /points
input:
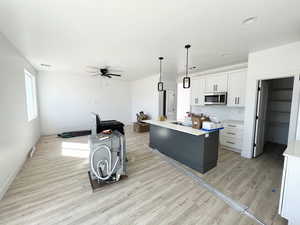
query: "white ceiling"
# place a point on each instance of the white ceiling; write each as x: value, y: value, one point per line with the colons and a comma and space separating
x: 131, y: 34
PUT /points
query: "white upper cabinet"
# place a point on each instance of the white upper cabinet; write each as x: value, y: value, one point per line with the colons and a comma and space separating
x: 232, y: 82
x: 197, y: 91
x: 236, y: 88
x: 216, y: 83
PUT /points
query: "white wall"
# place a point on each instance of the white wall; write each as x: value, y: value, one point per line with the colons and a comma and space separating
x: 145, y: 97
x: 17, y: 135
x: 66, y: 100
x: 282, y: 61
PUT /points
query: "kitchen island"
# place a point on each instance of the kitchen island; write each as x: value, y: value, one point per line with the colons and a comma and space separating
x: 195, y: 148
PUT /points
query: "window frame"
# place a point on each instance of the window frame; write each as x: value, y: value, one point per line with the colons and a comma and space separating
x: 31, y: 96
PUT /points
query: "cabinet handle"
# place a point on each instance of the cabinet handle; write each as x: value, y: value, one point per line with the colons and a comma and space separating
x: 229, y: 142
x: 231, y: 133
x: 216, y: 87
x: 235, y: 100
x: 238, y: 100
x: 196, y: 100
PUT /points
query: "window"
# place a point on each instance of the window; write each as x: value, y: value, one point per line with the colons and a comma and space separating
x: 183, y: 101
x: 31, y: 101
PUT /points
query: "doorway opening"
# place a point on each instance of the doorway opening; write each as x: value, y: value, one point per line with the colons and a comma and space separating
x: 274, y: 100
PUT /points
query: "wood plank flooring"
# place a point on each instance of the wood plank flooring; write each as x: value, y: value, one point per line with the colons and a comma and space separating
x: 53, y: 188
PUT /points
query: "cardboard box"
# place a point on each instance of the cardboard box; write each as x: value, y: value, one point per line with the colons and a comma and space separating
x: 141, y: 127
x: 196, y: 121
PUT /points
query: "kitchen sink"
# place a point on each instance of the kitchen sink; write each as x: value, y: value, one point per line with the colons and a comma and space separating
x: 178, y: 123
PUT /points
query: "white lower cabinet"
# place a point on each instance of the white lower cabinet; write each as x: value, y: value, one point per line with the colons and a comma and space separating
x: 231, y: 137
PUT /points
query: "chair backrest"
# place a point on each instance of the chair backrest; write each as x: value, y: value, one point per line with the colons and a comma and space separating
x: 95, y: 123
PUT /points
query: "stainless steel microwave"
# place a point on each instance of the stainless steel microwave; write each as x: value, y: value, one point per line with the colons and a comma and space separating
x: 215, y: 98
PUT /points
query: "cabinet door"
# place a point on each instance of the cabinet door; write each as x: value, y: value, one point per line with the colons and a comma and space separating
x: 197, y: 91
x: 236, y: 88
x: 291, y: 195
x: 210, y: 84
x: 216, y: 83
x: 221, y: 83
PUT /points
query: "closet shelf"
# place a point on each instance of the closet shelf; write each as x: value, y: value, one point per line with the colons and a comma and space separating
x: 284, y: 100
x: 274, y: 123
x: 282, y: 89
x: 277, y: 111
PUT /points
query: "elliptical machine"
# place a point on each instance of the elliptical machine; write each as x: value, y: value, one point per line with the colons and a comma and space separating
x: 107, y: 151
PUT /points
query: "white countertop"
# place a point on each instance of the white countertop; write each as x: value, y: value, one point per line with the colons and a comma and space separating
x: 170, y: 125
x: 293, y: 149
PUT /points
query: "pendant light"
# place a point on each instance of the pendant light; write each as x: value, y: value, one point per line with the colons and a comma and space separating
x: 160, y: 85
x: 187, y: 79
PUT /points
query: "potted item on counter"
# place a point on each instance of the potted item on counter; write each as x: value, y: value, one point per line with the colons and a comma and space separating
x: 188, y: 120
x: 162, y: 118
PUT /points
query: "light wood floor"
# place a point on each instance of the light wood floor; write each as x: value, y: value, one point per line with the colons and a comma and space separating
x: 53, y: 188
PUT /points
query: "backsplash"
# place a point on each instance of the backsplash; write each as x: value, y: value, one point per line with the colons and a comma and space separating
x: 220, y: 112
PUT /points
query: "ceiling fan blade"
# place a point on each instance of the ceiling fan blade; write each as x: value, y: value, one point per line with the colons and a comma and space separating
x: 93, y: 67
x: 112, y: 74
x: 111, y: 68
x: 105, y: 75
x: 90, y: 70
x: 93, y: 72
x: 115, y: 70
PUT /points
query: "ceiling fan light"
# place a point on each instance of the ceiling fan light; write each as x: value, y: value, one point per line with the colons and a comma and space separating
x: 186, y: 82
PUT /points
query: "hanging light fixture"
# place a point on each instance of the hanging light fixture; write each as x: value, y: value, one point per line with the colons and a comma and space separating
x: 160, y: 85
x: 187, y: 79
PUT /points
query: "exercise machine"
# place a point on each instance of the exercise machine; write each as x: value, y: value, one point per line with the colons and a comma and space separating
x: 107, y: 152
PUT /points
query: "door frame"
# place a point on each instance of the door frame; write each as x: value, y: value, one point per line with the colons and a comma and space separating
x: 260, y: 98
x: 294, y: 131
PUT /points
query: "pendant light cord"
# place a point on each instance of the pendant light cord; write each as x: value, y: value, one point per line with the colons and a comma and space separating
x: 160, y: 71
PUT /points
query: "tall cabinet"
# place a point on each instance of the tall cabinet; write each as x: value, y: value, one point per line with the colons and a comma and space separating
x: 197, y: 91
x: 236, y: 88
x: 290, y: 197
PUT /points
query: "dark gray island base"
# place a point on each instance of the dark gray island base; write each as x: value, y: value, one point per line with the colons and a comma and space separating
x: 199, y: 152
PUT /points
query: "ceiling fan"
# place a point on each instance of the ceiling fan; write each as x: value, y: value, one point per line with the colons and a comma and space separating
x: 103, y: 71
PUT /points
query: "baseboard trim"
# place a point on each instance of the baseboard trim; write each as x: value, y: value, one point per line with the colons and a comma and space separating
x: 11, y: 178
